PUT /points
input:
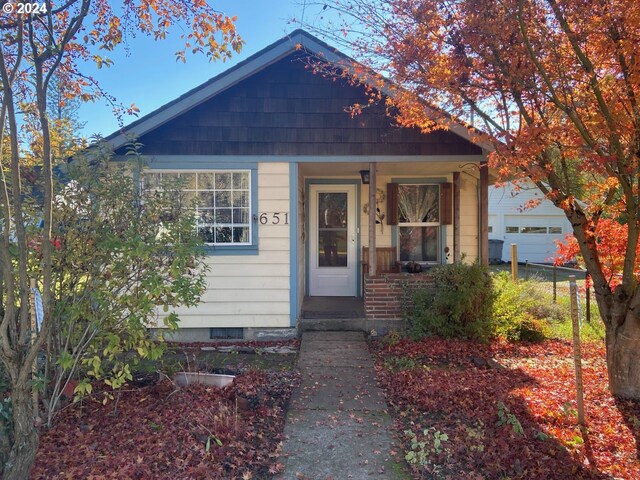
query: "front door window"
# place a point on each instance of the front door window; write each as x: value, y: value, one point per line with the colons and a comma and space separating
x: 332, y: 229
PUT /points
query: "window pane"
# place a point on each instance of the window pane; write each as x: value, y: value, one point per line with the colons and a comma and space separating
x: 170, y: 176
x: 205, y: 181
x: 332, y: 210
x: 151, y: 181
x: 533, y: 230
x: 240, y: 199
x: 206, y: 217
x: 223, y: 234
x: 241, y: 180
x: 332, y: 248
x: 188, y: 198
x: 418, y: 203
x: 241, y: 234
x: 419, y: 244
x: 555, y: 230
x: 223, y: 181
x: 240, y: 215
x: 205, y: 199
x: 188, y: 181
x: 206, y: 234
x: 223, y: 215
x: 511, y: 230
x: 223, y: 199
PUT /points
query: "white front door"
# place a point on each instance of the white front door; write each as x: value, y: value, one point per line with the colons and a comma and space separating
x: 332, y: 241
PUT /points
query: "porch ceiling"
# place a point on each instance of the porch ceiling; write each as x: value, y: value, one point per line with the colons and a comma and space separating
x: 333, y: 169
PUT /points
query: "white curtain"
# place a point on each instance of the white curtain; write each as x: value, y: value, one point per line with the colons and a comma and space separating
x: 417, y: 203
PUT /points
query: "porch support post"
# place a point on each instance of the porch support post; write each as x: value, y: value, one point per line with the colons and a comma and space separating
x: 372, y: 219
x: 456, y: 216
x: 294, y: 198
x: 483, y: 241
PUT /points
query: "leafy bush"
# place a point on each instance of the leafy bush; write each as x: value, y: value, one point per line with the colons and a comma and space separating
x: 467, y: 302
x: 460, y: 304
x: 520, y: 310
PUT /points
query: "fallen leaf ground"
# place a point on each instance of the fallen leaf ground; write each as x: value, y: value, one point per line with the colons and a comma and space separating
x: 514, y: 419
x: 159, y: 431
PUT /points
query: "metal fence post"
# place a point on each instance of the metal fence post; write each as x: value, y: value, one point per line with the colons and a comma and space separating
x: 555, y: 283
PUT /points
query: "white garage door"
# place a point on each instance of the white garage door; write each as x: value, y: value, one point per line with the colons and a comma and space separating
x: 534, y: 235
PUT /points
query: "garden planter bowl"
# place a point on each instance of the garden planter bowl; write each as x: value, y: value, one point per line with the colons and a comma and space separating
x: 211, y: 379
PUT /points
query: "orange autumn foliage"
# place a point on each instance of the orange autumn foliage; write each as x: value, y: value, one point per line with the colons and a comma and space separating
x: 610, y: 237
x: 552, y: 87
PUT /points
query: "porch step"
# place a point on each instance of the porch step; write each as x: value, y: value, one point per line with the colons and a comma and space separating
x: 332, y: 324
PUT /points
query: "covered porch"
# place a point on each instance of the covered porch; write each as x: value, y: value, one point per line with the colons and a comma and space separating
x: 353, y: 260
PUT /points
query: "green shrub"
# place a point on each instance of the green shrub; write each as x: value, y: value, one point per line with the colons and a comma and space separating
x: 459, y: 305
x: 521, y: 311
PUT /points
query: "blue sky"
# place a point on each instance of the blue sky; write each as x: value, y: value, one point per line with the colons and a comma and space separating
x: 149, y: 76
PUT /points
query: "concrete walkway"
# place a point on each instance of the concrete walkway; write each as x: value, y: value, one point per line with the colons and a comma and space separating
x: 338, y: 426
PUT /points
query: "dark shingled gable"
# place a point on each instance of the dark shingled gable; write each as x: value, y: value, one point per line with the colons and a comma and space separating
x: 285, y: 109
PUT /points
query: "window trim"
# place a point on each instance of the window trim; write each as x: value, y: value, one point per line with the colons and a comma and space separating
x: 250, y: 248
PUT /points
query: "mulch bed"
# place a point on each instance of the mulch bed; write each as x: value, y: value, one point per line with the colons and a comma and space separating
x: 507, y: 410
x: 158, y: 431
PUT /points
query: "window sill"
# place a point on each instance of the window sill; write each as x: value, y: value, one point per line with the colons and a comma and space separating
x: 231, y: 250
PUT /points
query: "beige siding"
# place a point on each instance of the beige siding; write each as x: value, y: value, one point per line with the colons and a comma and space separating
x: 383, y: 232
x: 251, y: 290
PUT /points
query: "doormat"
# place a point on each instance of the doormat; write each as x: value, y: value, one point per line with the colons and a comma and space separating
x: 329, y: 315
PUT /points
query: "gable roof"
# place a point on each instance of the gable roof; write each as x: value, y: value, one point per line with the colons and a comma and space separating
x: 296, y: 41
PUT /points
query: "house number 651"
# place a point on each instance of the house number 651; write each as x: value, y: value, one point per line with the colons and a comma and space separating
x: 274, y: 218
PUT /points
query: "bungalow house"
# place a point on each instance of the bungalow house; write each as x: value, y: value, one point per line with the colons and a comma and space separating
x: 286, y: 178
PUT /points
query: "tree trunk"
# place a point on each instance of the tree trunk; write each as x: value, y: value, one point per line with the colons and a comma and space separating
x: 5, y: 444
x: 25, y: 436
x: 623, y: 357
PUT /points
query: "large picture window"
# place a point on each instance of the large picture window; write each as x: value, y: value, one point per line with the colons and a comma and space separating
x: 223, y: 202
x: 419, y: 223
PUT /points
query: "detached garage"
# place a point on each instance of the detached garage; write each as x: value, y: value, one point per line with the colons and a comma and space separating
x: 534, y: 230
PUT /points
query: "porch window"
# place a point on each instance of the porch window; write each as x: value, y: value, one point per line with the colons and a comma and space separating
x: 222, y: 199
x: 419, y: 223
